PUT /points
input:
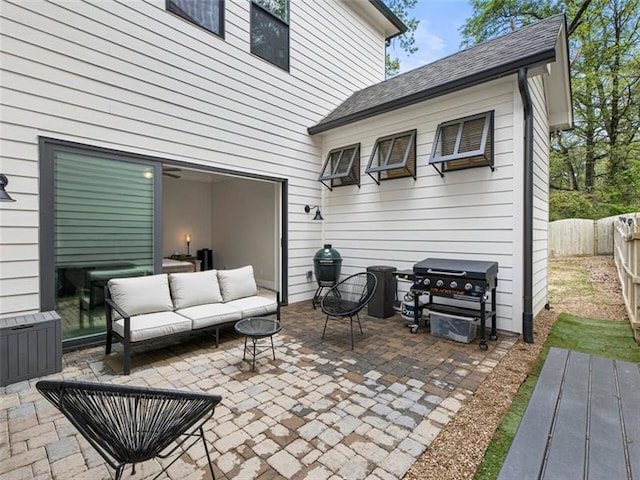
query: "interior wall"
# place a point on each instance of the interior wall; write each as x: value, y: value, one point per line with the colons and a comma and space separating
x: 186, y: 207
x: 244, y: 227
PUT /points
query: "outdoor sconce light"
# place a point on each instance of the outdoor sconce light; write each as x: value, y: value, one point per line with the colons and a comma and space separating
x: 308, y: 208
x: 188, y: 238
x: 4, y: 196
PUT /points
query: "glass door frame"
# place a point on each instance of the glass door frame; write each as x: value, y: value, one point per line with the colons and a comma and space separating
x: 48, y: 147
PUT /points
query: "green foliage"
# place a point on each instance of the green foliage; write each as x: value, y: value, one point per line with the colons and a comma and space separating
x: 569, y: 204
x: 403, y: 9
x: 598, y: 161
x: 492, y: 18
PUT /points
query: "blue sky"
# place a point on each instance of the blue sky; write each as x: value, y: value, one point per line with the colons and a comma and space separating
x: 437, y: 34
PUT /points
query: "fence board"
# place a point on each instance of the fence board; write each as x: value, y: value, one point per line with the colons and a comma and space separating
x: 627, y: 258
x: 604, y: 237
x: 571, y: 236
x: 580, y: 237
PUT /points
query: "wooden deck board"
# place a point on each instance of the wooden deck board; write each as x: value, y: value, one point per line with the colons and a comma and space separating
x: 527, y: 452
x: 569, y: 430
x: 582, y: 421
x: 630, y: 399
x: 606, y: 457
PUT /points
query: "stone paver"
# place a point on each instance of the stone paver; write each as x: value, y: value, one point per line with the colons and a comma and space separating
x: 319, y: 411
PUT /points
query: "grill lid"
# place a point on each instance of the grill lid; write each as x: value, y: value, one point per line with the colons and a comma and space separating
x: 462, y: 268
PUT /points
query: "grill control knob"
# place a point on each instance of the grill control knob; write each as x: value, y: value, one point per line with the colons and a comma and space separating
x: 426, y: 281
x: 454, y: 284
x: 439, y: 283
x: 468, y: 286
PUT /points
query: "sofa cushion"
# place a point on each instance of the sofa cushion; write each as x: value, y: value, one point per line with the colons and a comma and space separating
x: 237, y: 283
x: 153, y: 325
x: 194, y: 288
x: 140, y: 295
x: 211, y: 314
x: 257, y: 305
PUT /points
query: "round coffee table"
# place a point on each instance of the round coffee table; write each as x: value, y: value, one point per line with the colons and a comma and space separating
x: 256, y: 328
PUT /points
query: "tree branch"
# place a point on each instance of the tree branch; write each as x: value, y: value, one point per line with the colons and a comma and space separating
x: 575, y: 23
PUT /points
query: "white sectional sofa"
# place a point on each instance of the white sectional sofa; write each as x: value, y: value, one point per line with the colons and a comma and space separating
x: 156, y: 307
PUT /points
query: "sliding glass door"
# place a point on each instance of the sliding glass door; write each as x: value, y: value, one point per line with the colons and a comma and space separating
x: 103, y: 225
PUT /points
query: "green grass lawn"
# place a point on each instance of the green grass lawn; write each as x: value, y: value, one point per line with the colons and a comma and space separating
x: 604, y: 338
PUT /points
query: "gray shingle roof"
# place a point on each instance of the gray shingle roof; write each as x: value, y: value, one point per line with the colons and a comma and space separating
x: 528, y: 46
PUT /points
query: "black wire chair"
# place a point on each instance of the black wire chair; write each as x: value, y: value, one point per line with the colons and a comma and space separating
x: 129, y: 425
x: 347, y: 297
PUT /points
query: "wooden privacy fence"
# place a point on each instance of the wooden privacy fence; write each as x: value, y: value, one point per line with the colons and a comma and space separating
x: 627, y: 258
x: 578, y: 236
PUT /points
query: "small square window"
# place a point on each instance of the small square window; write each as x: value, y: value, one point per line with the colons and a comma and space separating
x: 464, y: 143
x: 208, y: 14
x: 270, y: 31
x: 393, y: 157
x: 342, y: 167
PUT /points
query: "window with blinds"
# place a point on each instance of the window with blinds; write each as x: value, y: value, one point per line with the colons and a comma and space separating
x: 342, y: 167
x: 103, y: 212
x: 464, y: 143
x: 208, y: 14
x: 393, y: 156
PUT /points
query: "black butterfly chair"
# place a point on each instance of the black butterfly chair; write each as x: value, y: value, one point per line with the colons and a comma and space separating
x: 128, y: 424
x: 347, y: 297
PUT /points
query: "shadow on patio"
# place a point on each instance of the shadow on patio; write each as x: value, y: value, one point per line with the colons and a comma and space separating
x: 319, y: 410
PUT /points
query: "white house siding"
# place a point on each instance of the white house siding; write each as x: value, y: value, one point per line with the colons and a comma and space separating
x: 540, y: 191
x: 133, y: 77
x: 468, y: 214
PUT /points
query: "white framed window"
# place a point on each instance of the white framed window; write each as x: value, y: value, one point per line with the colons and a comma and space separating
x: 207, y: 14
x: 393, y: 156
x: 464, y: 143
x: 342, y: 167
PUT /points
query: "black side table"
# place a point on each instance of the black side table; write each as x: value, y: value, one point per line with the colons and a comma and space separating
x: 256, y: 328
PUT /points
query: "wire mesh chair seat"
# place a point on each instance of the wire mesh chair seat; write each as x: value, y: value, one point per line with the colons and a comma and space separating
x: 129, y: 425
x: 347, y: 297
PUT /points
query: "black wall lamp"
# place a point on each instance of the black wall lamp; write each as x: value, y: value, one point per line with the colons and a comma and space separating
x: 308, y: 208
x: 4, y: 196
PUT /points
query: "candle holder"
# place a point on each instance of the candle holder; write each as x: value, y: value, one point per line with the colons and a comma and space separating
x: 188, y: 238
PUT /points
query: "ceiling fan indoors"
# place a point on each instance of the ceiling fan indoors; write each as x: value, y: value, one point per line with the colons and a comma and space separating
x: 167, y: 171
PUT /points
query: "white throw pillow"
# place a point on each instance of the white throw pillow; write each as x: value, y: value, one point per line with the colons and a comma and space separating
x: 237, y: 283
x: 197, y: 288
x: 138, y: 295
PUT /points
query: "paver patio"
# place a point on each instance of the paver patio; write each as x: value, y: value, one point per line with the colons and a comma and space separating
x: 319, y: 411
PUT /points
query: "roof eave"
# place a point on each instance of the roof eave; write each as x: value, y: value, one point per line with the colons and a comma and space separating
x: 389, y: 15
x: 443, y: 89
x: 561, y: 114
